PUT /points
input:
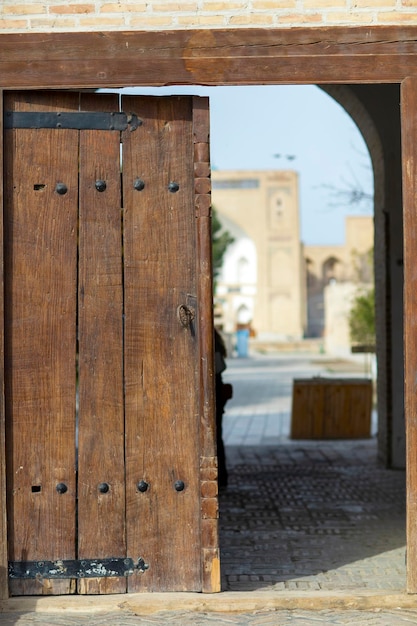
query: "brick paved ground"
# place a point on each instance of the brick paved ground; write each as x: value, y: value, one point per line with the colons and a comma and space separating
x: 312, y: 516
x: 304, y: 514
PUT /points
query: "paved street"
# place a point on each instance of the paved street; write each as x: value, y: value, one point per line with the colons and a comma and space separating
x: 311, y: 532
x: 308, y: 515
x: 260, y: 411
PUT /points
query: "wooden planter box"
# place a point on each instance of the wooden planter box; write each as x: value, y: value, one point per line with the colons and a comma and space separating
x: 331, y: 408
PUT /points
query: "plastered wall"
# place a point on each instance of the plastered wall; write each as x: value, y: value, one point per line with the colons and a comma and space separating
x: 98, y: 15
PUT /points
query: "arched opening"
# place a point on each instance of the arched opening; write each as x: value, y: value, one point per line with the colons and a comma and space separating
x: 243, y: 269
x: 330, y: 270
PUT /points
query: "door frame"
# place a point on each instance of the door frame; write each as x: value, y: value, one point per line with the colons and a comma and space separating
x: 337, y: 55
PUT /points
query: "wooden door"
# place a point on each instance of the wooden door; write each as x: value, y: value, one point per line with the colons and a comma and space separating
x: 111, y: 471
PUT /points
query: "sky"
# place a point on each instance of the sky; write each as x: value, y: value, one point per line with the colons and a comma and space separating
x: 296, y: 127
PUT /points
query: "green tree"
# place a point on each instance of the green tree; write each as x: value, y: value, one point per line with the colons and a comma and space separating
x: 221, y: 240
x: 362, y: 319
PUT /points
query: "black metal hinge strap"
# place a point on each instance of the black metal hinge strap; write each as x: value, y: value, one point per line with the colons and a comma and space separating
x: 83, y: 568
x: 78, y: 120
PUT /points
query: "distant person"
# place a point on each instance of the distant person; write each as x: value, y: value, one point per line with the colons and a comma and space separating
x: 224, y: 391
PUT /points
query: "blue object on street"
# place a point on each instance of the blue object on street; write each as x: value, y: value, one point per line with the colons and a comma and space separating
x: 242, y: 342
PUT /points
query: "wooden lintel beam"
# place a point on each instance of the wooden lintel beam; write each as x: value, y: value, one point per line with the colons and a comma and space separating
x: 380, y: 54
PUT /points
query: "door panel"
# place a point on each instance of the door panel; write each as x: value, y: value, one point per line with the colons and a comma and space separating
x: 161, y: 354
x: 109, y: 412
x: 40, y: 331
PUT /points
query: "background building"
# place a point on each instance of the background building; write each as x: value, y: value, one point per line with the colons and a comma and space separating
x: 334, y: 277
x: 262, y: 282
x: 271, y: 283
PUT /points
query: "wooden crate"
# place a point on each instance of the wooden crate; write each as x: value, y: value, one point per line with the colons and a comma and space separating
x: 331, y: 408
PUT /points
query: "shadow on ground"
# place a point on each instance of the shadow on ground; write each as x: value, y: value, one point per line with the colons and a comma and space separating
x: 312, y: 515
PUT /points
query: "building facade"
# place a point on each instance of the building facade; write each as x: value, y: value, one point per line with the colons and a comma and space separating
x: 334, y: 277
x: 262, y: 281
x: 270, y: 281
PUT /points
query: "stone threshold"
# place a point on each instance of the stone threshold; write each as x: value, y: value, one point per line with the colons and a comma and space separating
x: 224, y: 602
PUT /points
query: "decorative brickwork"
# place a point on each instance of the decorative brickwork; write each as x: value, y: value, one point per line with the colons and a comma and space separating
x: 82, y: 15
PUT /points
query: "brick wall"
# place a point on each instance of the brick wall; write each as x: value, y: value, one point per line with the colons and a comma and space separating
x: 95, y: 15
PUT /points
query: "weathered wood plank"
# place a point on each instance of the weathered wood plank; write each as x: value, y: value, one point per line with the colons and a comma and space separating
x: 409, y: 151
x: 101, y: 516
x: 4, y: 592
x: 202, y: 201
x: 379, y: 54
x: 40, y: 333
x: 208, y: 461
x: 161, y: 370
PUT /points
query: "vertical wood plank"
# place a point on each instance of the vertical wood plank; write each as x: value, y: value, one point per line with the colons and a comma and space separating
x: 161, y: 369
x: 40, y: 314
x: 101, y: 515
x: 208, y: 462
x: 4, y: 592
x: 409, y: 159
